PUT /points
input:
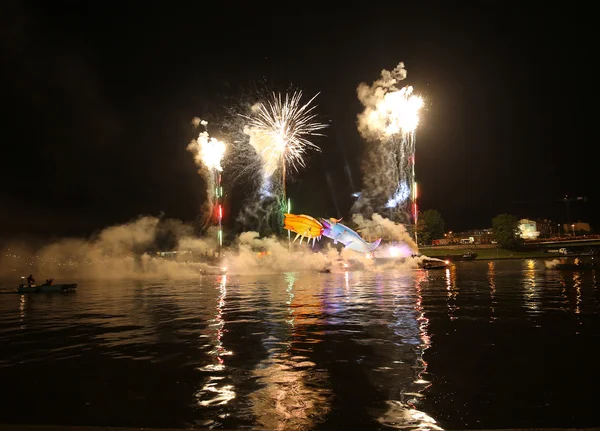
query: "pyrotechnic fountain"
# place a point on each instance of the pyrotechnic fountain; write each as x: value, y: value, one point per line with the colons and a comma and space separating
x: 389, y: 122
x: 208, y: 153
x: 270, y: 138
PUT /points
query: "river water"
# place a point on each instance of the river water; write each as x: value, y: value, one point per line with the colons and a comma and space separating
x: 499, y: 344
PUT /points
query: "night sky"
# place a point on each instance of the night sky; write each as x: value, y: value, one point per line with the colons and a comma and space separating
x: 98, y: 99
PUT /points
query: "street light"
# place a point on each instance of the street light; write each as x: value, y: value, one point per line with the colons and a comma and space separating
x: 573, y: 226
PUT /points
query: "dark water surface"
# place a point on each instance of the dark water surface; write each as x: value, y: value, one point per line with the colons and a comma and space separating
x: 505, y: 344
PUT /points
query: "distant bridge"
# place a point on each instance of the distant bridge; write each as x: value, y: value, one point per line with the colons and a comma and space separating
x: 554, y: 242
x: 567, y: 242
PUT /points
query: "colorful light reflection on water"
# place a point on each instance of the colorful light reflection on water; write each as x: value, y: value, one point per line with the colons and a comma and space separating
x: 408, y: 349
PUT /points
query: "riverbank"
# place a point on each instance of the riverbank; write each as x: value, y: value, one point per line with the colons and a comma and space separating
x: 486, y: 253
x: 76, y: 428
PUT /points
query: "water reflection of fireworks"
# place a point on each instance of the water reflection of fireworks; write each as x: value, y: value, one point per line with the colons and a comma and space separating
x: 215, y: 392
x: 492, y: 282
x: 532, y: 293
x: 423, y: 330
x: 405, y: 413
x: 292, y: 396
x: 452, y: 292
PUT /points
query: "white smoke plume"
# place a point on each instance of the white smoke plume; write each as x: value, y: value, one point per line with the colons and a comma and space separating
x: 373, y: 123
x: 381, y: 227
x: 255, y: 255
x: 151, y: 247
x: 208, y: 154
x: 198, y: 121
x: 388, y: 123
x: 146, y: 247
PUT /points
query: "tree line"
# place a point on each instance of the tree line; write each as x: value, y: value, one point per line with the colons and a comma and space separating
x: 431, y: 226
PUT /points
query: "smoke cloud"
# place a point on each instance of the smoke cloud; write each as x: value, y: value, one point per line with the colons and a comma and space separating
x: 151, y: 247
x: 375, y: 120
x: 264, y: 215
x: 381, y: 227
x: 131, y: 250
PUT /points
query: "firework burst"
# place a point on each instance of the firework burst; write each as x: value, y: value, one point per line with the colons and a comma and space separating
x: 399, y: 111
x: 279, y: 130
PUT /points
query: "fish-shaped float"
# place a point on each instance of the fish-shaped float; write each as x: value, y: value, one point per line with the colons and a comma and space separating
x: 338, y: 232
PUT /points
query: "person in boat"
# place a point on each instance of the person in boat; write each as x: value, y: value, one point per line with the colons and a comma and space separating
x: 49, y: 282
x: 30, y: 280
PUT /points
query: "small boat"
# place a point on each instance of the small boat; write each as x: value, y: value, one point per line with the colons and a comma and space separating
x: 433, y: 264
x: 469, y: 255
x: 47, y: 288
x: 466, y: 256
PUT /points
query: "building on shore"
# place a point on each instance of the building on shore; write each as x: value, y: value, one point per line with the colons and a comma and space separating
x: 547, y: 228
x: 475, y: 236
x: 528, y: 229
x: 577, y: 228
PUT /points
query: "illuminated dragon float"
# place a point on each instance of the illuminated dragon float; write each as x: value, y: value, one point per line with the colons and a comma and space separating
x: 308, y: 227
